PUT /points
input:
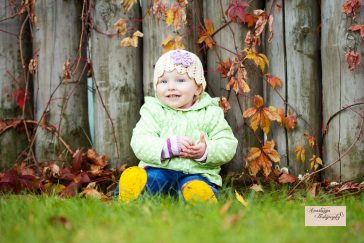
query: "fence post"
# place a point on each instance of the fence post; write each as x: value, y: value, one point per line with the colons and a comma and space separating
x: 303, y: 76
x: 216, y: 85
x: 118, y: 75
x: 56, y: 41
x: 342, y: 88
x: 13, y: 80
x: 276, y: 54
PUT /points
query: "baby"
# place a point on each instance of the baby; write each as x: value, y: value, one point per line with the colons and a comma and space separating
x: 182, y: 138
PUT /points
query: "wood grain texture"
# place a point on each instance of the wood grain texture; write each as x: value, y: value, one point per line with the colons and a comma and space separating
x: 341, y: 87
x: 276, y: 53
x: 12, y: 78
x: 56, y: 40
x: 118, y: 74
x: 303, y: 75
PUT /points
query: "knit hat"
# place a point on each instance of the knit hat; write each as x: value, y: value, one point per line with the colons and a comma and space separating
x: 184, y: 62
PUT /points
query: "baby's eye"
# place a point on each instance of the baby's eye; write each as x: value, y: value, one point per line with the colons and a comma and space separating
x: 163, y: 81
x: 180, y: 80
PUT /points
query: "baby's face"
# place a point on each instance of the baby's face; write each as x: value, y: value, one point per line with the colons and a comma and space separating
x: 177, y: 90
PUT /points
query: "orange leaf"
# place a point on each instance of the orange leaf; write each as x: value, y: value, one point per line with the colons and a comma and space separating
x: 273, y: 80
x: 249, y: 112
x: 290, y: 121
x: 258, y: 101
x: 264, y: 122
x: 159, y: 9
x: 253, y: 154
x: 255, y: 121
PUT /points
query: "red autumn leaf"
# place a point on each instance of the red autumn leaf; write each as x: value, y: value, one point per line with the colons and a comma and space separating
x: 353, y: 60
x: 359, y: 27
x: 77, y: 160
x: 250, y: 20
x: 19, y: 94
x: 236, y: 10
x: 77, y: 182
x: 350, y: 7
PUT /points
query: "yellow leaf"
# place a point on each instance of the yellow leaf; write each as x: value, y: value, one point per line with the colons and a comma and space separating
x: 131, y: 41
x: 300, y: 153
x: 241, y: 199
x: 170, y: 17
x: 170, y: 43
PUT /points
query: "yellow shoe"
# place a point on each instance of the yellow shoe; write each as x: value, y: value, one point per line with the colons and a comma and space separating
x: 196, y: 191
x: 131, y: 184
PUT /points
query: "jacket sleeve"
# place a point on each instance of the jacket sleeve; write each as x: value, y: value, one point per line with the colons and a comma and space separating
x: 146, y: 142
x: 221, y: 143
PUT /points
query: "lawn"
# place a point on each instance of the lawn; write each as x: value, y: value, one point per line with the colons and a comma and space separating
x: 269, y: 217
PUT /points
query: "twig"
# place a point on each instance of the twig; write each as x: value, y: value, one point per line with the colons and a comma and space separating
x: 359, y: 134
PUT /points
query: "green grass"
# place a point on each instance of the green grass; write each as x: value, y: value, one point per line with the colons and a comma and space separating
x: 270, y: 217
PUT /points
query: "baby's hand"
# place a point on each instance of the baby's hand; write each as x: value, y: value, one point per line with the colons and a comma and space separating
x: 194, y: 151
x: 186, y: 143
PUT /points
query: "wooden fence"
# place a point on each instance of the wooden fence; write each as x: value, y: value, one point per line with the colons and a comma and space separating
x: 70, y: 41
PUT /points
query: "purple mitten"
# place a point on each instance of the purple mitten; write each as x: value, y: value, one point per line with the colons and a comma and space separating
x: 172, y: 147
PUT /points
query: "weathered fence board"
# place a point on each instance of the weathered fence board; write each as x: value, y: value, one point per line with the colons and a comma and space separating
x: 118, y: 74
x: 303, y: 75
x: 56, y: 40
x: 216, y: 86
x: 275, y: 51
x: 12, y: 81
x: 341, y: 88
x: 155, y: 33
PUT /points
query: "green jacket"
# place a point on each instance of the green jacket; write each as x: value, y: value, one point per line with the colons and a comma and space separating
x: 158, y: 122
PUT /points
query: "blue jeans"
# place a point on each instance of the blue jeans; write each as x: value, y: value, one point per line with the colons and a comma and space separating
x: 167, y: 181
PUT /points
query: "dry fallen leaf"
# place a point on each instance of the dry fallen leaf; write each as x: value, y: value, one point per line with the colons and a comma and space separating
x: 241, y: 199
x: 257, y: 188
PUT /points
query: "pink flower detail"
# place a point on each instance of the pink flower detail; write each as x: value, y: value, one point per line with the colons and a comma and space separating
x: 184, y: 59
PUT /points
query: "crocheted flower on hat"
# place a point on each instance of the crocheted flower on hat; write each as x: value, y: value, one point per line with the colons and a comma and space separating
x: 184, y: 59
